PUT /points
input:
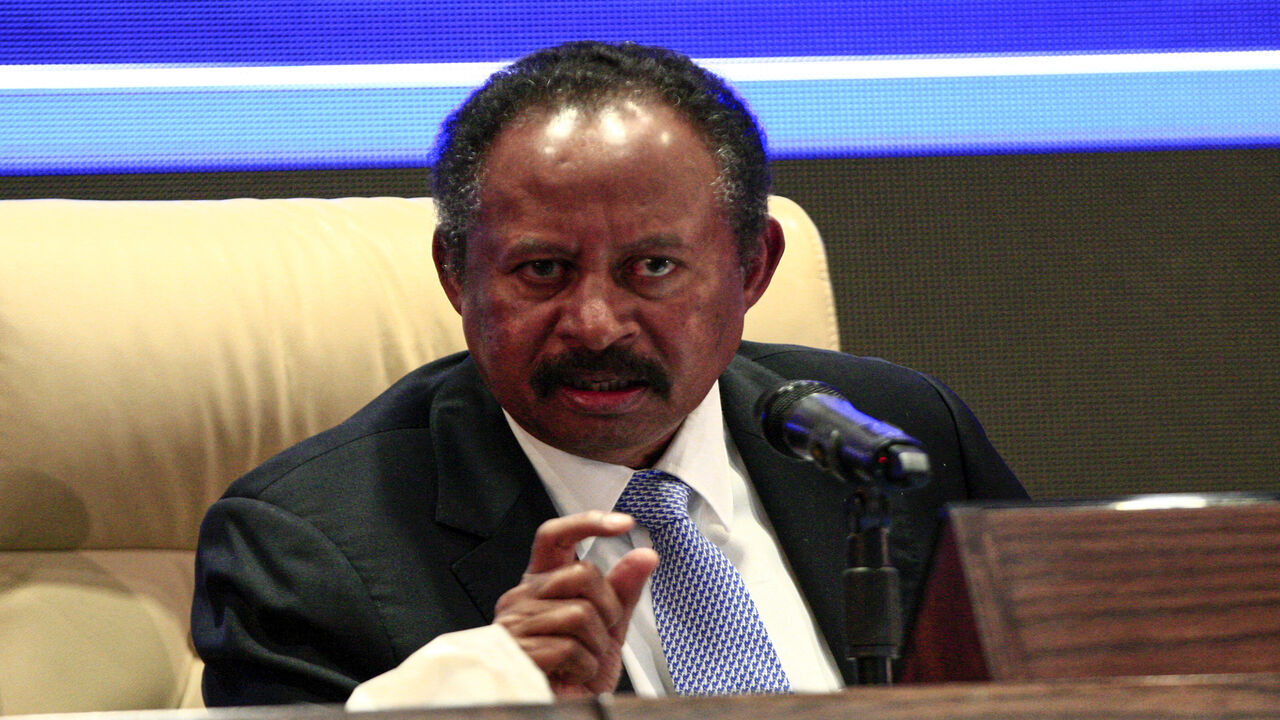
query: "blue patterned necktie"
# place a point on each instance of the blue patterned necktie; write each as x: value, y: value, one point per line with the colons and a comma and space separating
x: 711, y: 633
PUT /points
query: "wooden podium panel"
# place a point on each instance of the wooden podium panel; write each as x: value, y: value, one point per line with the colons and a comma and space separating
x: 1154, y: 585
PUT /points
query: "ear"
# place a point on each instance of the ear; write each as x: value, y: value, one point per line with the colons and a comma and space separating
x: 759, y: 269
x: 450, y: 277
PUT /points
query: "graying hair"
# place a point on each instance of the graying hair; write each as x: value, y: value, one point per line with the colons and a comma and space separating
x: 589, y: 75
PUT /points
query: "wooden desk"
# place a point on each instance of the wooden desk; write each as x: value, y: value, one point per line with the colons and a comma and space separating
x: 1201, y: 697
x: 1209, y: 697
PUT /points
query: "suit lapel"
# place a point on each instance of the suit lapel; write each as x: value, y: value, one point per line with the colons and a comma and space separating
x: 804, y: 505
x: 486, y: 487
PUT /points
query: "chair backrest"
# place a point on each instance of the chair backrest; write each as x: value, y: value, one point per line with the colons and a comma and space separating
x: 151, y: 352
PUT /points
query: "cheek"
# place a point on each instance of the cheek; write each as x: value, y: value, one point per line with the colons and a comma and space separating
x: 483, y: 318
x: 499, y: 331
x: 703, y: 332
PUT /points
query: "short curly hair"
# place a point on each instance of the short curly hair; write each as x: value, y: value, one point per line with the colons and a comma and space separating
x: 589, y: 74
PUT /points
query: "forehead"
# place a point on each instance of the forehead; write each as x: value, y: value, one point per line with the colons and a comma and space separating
x: 624, y: 143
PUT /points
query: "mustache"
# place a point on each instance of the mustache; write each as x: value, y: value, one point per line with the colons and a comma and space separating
x: 569, y: 367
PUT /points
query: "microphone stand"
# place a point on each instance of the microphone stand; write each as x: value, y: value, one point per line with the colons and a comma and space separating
x: 811, y: 420
x: 872, y: 595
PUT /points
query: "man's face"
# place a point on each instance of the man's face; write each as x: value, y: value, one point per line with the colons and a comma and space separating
x: 602, y: 293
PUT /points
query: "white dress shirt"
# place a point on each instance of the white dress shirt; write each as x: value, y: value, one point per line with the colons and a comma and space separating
x: 725, y: 508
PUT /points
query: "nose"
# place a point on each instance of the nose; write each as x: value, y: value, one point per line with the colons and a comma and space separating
x: 597, y: 314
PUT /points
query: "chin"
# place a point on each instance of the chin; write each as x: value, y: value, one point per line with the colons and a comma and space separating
x: 617, y: 449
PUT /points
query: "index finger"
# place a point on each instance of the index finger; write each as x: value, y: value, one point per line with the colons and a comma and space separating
x: 554, y: 543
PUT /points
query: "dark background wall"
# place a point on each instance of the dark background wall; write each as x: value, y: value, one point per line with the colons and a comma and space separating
x: 1113, y: 318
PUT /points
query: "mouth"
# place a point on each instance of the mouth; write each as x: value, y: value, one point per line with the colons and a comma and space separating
x: 602, y: 396
x: 600, y: 381
x: 605, y: 386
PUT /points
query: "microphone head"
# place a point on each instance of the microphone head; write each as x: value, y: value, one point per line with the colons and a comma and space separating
x: 773, y: 406
x: 811, y: 420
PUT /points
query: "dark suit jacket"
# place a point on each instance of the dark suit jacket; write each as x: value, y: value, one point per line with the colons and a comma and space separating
x: 338, y: 558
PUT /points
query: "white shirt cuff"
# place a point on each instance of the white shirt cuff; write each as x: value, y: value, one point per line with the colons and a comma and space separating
x: 480, y: 666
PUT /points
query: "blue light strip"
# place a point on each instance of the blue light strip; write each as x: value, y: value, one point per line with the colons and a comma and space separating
x: 125, y: 119
x: 350, y: 32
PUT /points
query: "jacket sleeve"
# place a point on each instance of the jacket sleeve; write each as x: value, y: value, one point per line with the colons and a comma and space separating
x: 279, y: 614
x: 985, y: 474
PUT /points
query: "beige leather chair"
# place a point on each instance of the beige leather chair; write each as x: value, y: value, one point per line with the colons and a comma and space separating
x: 151, y: 352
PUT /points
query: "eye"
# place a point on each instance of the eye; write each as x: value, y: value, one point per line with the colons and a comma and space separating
x: 654, y: 267
x: 542, y: 270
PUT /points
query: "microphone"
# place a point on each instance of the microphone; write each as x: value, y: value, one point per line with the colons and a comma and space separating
x: 811, y: 420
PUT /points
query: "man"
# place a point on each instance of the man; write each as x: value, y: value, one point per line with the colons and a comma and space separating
x: 602, y: 232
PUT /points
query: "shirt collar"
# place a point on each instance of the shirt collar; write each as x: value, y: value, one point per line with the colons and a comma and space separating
x: 698, y: 455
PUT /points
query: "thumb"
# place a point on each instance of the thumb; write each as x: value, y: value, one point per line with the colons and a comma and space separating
x: 627, y: 578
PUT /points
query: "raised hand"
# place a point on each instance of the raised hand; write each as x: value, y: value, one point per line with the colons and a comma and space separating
x: 567, y: 615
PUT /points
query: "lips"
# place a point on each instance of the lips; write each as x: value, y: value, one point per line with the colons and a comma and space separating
x: 602, y: 398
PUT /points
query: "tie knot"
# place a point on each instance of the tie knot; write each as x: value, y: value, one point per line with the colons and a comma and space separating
x: 655, y: 498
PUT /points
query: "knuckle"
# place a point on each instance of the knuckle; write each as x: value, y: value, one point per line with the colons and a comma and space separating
x: 513, y: 597
x: 578, y: 612
x: 547, y: 530
x: 513, y: 622
x: 578, y: 571
x: 574, y: 663
x: 569, y: 580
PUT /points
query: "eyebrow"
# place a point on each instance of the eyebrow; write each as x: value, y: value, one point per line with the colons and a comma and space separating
x: 651, y: 242
x: 537, y: 246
